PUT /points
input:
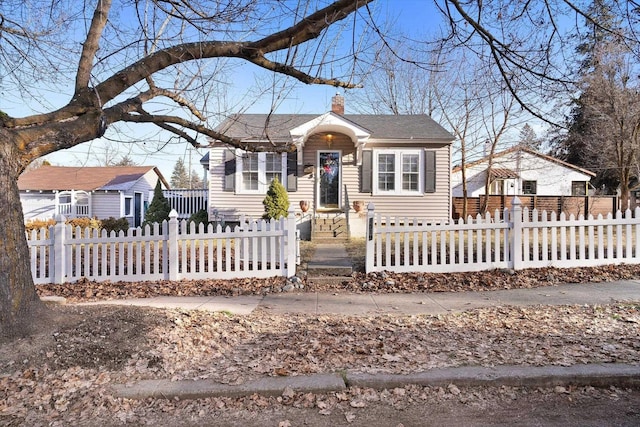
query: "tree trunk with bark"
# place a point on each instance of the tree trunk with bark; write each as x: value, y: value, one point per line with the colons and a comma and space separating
x: 18, y: 297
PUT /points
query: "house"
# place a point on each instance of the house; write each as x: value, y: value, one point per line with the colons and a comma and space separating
x: 78, y: 191
x: 400, y: 163
x: 522, y: 171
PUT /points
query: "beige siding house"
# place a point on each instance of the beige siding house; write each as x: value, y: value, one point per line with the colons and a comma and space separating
x: 400, y: 163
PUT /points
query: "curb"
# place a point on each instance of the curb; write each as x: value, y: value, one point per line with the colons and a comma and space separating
x: 596, y: 375
x: 200, y: 389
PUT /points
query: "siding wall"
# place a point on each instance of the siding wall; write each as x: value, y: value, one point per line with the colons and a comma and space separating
x: 38, y: 205
x: 552, y: 179
x: 105, y: 205
x: 434, y: 206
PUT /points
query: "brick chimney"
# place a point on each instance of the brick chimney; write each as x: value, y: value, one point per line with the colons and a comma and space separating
x: 337, y: 104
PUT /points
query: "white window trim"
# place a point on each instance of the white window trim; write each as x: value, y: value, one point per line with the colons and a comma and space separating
x: 398, y: 172
x: 263, y: 185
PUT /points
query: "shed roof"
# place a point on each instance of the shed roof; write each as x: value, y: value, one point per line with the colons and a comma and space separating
x: 87, y: 178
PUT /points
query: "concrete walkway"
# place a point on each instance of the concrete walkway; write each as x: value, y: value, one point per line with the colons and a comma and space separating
x: 397, y: 304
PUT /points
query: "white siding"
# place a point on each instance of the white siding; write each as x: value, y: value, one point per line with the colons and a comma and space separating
x: 38, y: 205
x: 105, y: 205
x: 552, y: 179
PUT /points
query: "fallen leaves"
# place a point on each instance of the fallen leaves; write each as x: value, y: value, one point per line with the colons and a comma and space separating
x: 375, y: 282
x: 61, y: 376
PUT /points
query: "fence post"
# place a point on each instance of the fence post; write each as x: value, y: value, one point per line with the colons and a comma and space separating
x: 290, y: 243
x: 515, y: 229
x: 370, y: 242
x: 173, y: 246
x: 58, y: 251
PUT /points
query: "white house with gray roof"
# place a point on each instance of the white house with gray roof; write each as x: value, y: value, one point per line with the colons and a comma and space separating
x: 400, y: 163
x: 522, y: 171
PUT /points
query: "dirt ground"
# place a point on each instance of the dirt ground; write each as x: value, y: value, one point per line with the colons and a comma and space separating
x: 61, y: 374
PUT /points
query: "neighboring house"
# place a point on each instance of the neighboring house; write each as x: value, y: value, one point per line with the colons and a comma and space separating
x: 522, y: 171
x: 400, y: 163
x: 76, y: 191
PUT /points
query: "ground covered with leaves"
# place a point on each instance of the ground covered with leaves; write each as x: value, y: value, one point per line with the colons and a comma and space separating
x: 359, y: 282
x: 62, y: 373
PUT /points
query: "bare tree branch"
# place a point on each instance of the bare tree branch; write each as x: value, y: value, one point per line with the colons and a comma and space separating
x: 91, y: 44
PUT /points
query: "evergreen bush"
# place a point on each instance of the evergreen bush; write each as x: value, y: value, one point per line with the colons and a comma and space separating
x: 159, y: 208
x: 200, y: 217
x: 276, y: 203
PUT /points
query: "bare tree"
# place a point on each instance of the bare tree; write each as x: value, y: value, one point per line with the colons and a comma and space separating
x: 130, y: 55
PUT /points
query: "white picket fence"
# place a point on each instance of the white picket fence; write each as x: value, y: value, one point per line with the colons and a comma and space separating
x: 484, y: 243
x: 168, y: 251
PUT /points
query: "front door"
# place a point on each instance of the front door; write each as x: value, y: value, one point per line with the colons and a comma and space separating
x: 137, y: 209
x: 329, y: 182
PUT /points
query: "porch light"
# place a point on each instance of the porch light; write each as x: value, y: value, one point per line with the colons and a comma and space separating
x: 329, y: 138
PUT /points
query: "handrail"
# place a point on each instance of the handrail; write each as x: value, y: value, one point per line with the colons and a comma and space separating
x: 345, y: 209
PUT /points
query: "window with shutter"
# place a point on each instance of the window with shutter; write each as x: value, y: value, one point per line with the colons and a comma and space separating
x: 229, y: 170
x: 366, y: 170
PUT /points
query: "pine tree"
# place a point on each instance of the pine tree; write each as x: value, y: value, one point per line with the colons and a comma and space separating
x: 276, y: 203
x: 528, y: 138
x: 196, y: 181
x: 574, y: 146
x: 159, y: 208
x: 179, y: 176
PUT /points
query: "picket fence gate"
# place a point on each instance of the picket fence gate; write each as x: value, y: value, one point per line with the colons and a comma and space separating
x: 511, y: 240
x: 173, y: 250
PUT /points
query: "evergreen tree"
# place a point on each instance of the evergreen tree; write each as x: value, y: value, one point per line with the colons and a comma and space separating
x: 180, y: 176
x: 124, y: 161
x: 574, y: 146
x: 196, y: 180
x: 528, y: 138
x: 276, y: 203
x: 159, y: 208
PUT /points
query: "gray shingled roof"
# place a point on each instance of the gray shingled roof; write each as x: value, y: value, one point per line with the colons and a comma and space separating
x: 252, y: 126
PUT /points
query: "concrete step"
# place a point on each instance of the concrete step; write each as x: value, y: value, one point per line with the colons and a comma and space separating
x: 329, y: 227
x: 318, y: 235
x: 328, y: 270
x: 328, y: 280
x: 329, y: 240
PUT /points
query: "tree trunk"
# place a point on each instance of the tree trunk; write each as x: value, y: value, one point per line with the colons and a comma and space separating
x: 18, y: 296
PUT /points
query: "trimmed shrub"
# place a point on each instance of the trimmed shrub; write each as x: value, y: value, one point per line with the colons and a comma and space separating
x: 115, y: 224
x: 276, y: 203
x: 200, y: 217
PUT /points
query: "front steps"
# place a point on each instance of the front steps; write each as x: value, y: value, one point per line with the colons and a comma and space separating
x: 329, y: 228
x: 330, y: 264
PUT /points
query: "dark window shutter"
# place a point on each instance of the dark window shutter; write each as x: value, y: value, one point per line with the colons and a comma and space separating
x: 366, y: 170
x: 429, y: 171
x: 229, y: 170
x: 292, y: 171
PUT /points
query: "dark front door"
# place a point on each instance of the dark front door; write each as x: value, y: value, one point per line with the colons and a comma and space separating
x: 137, y: 209
x: 329, y: 182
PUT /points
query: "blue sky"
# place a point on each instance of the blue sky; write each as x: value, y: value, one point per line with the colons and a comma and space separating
x: 415, y: 17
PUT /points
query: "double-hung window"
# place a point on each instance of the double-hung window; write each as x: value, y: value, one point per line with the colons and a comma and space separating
x: 257, y: 170
x: 398, y: 171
